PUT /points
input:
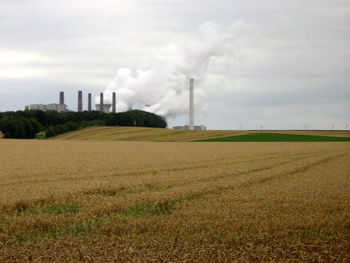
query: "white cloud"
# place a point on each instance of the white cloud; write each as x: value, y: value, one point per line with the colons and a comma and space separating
x: 13, y: 57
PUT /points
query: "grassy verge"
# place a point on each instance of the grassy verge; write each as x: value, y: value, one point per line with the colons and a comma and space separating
x: 277, y: 137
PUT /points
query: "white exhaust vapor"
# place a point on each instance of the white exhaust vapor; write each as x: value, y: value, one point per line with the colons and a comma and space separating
x: 163, y: 88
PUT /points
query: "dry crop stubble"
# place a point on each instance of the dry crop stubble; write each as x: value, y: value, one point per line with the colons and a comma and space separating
x: 167, y: 135
x: 202, y: 202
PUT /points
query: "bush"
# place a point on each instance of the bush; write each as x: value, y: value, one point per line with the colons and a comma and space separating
x: 50, y: 132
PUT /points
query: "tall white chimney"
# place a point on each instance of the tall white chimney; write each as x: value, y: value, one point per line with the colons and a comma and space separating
x: 191, y: 105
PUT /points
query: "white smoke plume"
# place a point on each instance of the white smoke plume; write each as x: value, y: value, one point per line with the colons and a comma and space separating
x: 163, y: 89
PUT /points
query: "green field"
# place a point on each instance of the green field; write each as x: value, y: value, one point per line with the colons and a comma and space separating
x: 277, y: 137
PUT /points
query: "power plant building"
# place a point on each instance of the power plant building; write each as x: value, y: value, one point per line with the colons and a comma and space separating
x: 59, y: 107
x: 106, y: 108
x: 45, y: 107
x: 187, y: 127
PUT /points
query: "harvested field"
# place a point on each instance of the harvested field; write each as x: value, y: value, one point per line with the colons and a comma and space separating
x: 100, y: 201
x: 172, y: 135
x: 142, y: 134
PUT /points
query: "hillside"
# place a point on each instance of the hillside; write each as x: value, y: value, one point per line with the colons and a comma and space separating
x: 169, y: 135
x: 143, y: 134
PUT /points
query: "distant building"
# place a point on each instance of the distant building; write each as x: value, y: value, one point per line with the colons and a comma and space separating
x: 53, y: 106
x: 187, y: 127
x: 181, y: 127
x: 200, y: 127
x: 106, y: 107
x: 45, y: 107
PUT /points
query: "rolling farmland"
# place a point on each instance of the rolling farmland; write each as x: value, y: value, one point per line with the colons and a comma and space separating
x: 105, y: 201
x: 171, y: 135
x: 142, y: 134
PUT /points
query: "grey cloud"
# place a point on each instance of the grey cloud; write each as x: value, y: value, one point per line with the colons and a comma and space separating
x: 289, y: 67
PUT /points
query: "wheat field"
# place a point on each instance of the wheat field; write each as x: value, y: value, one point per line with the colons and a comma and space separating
x: 115, y: 201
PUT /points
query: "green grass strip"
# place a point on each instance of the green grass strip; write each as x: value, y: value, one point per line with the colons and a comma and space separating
x: 145, y: 209
x: 277, y: 137
x: 87, y: 225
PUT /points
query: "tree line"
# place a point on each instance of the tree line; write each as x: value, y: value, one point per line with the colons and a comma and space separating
x: 36, y: 123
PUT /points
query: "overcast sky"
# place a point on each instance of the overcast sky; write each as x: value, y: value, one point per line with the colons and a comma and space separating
x: 285, y: 64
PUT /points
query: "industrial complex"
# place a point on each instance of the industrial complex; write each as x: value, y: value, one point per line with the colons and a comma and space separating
x: 106, y: 107
x: 53, y: 106
x: 59, y: 107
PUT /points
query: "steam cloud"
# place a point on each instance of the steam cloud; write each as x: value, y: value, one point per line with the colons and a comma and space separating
x: 163, y: 89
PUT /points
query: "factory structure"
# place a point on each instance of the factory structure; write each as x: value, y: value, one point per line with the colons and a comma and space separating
x: 187, y: 127
x: 61, y: 106
x: 191, y: 125
x: 106, y: 107
x: 53, y: 106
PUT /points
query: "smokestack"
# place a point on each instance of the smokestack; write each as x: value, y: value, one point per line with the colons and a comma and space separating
x: 89, y: 102
x: 80, y: 101
x: 191, y: 105
x: 61, y: 97
x: 101, y: 102
x: 113, y: 103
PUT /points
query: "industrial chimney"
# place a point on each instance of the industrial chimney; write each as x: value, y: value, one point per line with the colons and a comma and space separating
x: 80, y: 101
x: 89, y: 102
x: 61, y: 97
x: 114, y: 103
x: 191, y: 112
x: 101, y: 101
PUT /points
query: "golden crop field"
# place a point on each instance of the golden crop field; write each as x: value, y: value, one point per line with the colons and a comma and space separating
x: 170, y: 135
x: 117, y: 201
x: 142, y: 134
